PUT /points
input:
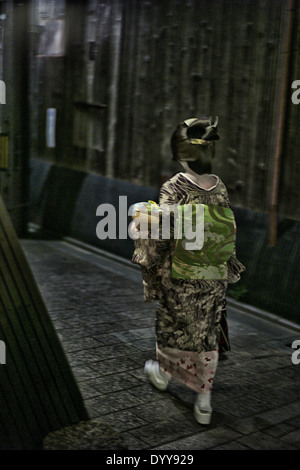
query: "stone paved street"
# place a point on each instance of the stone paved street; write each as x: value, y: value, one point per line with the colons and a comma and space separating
x: 107, y: 331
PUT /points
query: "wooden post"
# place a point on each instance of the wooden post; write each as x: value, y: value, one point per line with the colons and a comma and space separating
x: 281, y: 121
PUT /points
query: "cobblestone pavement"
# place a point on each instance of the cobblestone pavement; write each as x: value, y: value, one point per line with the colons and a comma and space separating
x: 107, y: 332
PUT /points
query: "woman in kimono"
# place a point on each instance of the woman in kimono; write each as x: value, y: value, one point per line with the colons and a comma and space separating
x: 189, y: 309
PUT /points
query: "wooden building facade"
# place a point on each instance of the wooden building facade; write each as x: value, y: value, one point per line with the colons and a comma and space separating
x: 125, y: 72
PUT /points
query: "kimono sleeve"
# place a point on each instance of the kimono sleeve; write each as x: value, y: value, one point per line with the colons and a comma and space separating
x: 150, y: 253
x: 235, y: 267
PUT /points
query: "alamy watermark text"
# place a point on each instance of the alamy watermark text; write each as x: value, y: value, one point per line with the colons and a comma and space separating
x: 154, y: 220
x: 296, y: 354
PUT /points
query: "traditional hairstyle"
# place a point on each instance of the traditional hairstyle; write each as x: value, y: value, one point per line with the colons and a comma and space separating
x: 191, y: 135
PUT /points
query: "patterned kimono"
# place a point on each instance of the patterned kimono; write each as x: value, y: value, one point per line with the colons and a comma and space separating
x: 189, y: 310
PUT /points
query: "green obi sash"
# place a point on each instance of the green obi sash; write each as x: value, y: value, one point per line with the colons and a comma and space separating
x: 204, y: 242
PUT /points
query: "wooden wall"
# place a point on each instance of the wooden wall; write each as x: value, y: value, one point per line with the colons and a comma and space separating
x: 289, y: 182
x: 38, y: 392
x: 132, y: 70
